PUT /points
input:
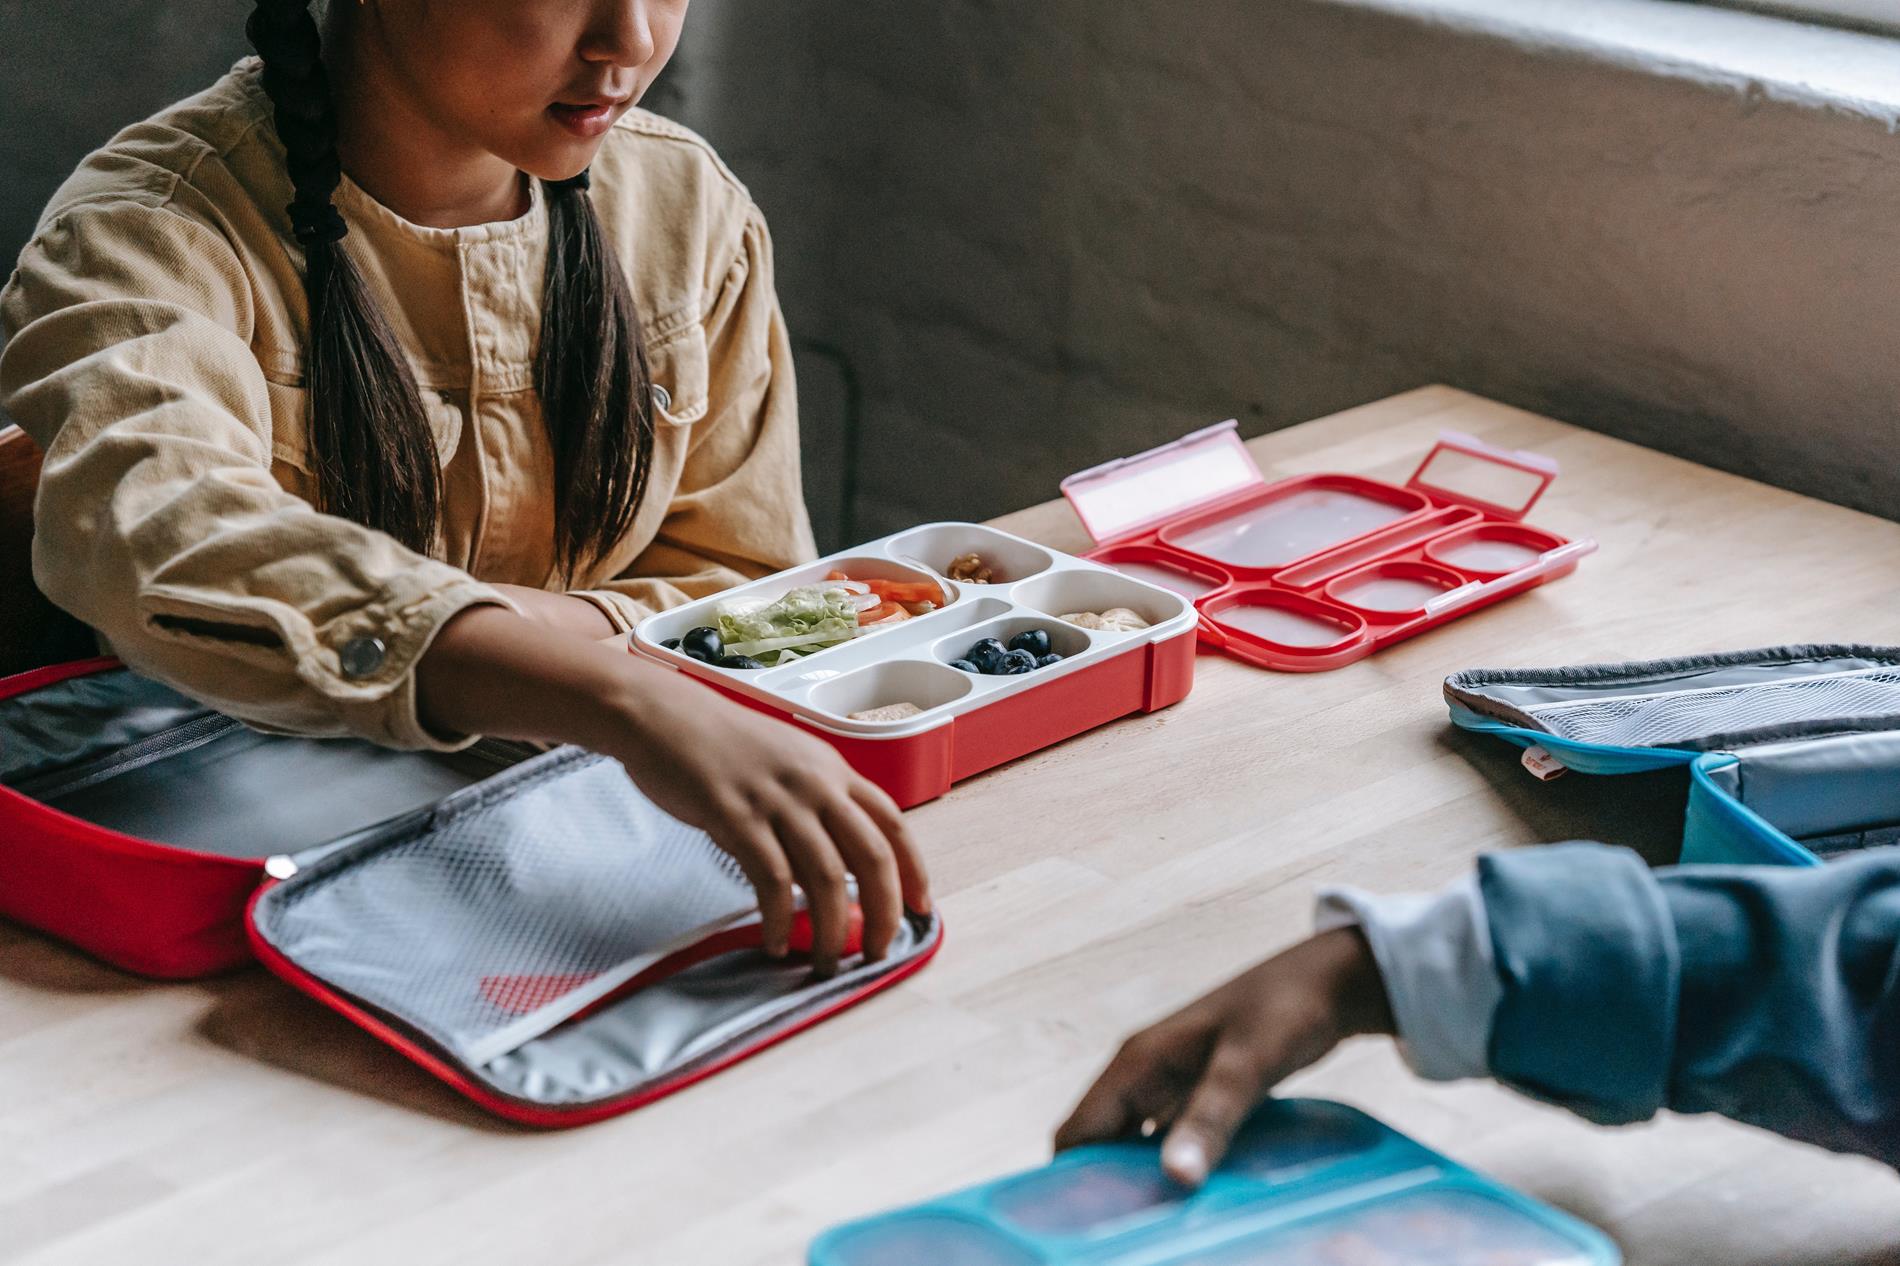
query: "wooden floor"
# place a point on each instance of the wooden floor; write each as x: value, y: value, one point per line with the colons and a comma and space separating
x: 1086, y: 890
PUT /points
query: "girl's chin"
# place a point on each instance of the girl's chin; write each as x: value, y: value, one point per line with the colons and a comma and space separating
x: 559, y: 157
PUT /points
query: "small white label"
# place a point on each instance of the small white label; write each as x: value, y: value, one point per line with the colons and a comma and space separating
x: 1542, y: 764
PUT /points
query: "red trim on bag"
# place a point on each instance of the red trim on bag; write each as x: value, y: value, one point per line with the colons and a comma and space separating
x: 438, y: 1065
x: 53, y: 674
x: 154, y: 909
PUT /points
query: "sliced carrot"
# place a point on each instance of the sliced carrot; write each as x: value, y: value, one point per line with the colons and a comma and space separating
x: 897, y: 590
x: 906, y: 591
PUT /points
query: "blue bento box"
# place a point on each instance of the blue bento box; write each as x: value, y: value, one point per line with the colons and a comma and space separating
x: 1793, y: 752
x: 1307, y: 1183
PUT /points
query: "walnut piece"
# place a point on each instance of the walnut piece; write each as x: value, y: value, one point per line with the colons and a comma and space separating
x: 970, y: 569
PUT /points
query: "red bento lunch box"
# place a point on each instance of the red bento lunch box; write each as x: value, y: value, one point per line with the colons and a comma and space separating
x: 968, y: 723
x: 1318, y: 571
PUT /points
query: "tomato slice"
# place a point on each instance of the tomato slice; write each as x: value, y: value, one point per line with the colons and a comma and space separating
x: 898, y: 590
x: 916, y: 591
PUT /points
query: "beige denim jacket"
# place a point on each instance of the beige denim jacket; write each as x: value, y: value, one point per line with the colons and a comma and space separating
x: 156, y: 330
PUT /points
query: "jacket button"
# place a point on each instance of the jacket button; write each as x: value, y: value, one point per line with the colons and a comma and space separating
x: 662, y: 398
x: 362, y: 656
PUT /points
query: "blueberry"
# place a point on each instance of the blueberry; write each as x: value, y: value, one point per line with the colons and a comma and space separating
x: 739, y: 661
x: 987, y: 655
x: 1046, y: 661
x: 963, y: 666
x: 1015, y: 663
x: 1035, y: 641
x: 704, y: 644
x: 670, y: 644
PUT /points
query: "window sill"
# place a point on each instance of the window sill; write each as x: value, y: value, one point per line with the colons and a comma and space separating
x: 1752, y: 54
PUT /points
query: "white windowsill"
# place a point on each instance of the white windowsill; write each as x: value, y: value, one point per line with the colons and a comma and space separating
x: 1752, y: 53
x: 1879, y: 14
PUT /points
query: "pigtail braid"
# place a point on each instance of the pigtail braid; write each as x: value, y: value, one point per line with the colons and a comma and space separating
x: 372, y: 448
x: 592, y: 376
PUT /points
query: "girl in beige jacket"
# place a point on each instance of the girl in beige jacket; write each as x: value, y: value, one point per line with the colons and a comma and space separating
x: 383, y: 380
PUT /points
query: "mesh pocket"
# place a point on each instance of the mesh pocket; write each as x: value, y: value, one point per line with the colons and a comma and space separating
x: 515, y: 905
x: 1690, y: 717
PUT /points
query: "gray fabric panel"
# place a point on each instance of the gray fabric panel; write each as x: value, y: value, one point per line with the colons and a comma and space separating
x: 504, y: 898
x: 1829, y: 847
x: 694, y: 1018
x: 1530, y: 695
x: 1696, y: 703
x: 86, y: 719
x: 459, y: 922
x: 127, y: 753
x: 1824, y: 787
x: 246, y: 794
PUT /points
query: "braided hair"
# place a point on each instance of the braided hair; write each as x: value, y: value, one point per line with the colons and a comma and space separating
x: 373, y: 453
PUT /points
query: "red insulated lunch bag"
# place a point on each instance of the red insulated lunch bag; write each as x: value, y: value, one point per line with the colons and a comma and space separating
x: 525, y: 924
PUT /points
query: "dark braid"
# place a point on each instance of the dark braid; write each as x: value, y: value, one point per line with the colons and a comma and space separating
x: 375, y: 456
x: 591, y: 373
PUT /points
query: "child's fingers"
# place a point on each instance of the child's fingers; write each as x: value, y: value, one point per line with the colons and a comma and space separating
x: 763, y: 862
x: 911, y: 875
x: 1234, y: 1081
x: 821, y: 873
x: 1103, y: 1114
x: 868, y: 854
x: 1145, y: 1081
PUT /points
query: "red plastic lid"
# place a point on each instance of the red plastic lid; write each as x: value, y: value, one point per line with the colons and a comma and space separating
x: 1464, y: 469
x: 1132, y: 495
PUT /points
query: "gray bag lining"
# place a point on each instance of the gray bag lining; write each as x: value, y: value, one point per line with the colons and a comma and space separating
x: 126, y: 753
x: 479, y: 923
x: 1842, y: 790
x: 669, y: 1030
x: 1699, y: 703
x: 84, y: 719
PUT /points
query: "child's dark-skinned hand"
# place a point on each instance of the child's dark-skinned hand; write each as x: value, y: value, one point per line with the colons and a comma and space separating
x: 1198, y: 1073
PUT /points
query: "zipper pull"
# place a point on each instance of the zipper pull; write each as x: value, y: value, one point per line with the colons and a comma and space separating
x: 280, y: 866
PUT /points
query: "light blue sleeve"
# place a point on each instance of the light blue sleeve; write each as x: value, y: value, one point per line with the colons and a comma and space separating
x: 1579, y: 976
x: 1767, y: 994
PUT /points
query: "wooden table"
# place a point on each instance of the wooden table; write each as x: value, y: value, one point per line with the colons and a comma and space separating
x: 1087, y: 890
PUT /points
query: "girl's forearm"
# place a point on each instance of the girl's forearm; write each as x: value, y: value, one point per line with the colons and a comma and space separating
x: 561, y: 611
x: 495, y: 673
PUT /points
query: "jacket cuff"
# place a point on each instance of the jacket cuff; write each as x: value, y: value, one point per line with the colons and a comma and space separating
x: 1591, y: 974
x: 362, y: 660
x: 1434, y: 955
x: 623, y: 612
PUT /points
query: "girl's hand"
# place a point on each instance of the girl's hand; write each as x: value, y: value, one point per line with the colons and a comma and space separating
x: 1199, y: 1072
x: 782, y: 802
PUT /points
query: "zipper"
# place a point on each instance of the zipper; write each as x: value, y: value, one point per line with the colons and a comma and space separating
x: 181, y: 738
